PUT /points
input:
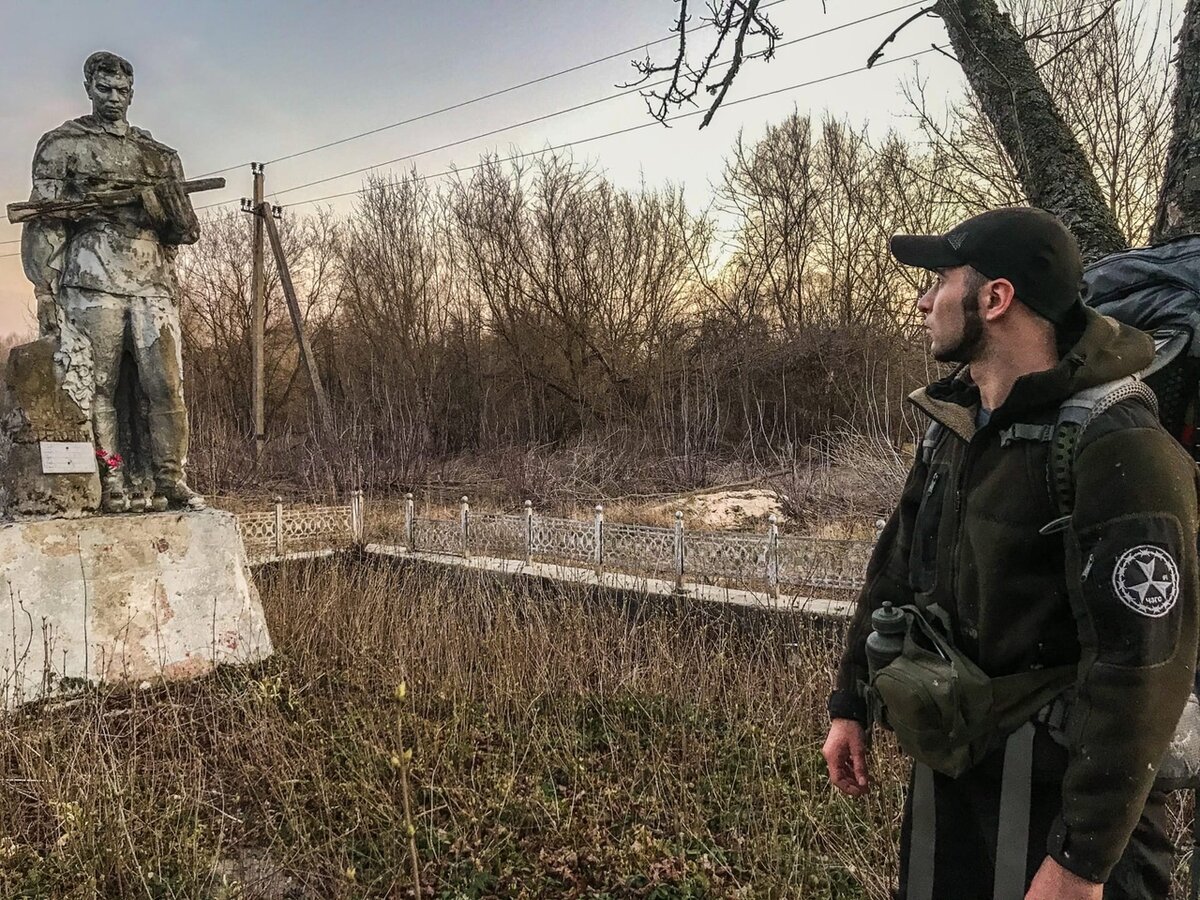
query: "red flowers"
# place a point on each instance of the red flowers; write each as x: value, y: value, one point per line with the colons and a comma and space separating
x: 110, y: 462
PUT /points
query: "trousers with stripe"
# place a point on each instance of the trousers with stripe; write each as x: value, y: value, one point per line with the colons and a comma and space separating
x: 966, y: 822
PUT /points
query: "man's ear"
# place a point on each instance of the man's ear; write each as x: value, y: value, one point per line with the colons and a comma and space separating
x: 998, y: 298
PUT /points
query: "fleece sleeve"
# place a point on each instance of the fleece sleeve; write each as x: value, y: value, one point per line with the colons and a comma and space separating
x: 886, y: 579
x: 1131, y: 572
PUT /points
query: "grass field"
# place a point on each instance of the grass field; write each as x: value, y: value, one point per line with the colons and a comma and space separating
x: 562, y: 745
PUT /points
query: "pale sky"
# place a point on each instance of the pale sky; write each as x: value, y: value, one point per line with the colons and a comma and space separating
x: 226, y: 83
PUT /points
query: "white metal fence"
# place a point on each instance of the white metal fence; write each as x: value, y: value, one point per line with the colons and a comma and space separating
x: 283, y: 531
x: 766, y: 561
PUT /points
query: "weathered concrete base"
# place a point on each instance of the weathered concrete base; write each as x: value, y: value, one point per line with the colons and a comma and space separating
x: 126, y: 598
x: 41, y: 408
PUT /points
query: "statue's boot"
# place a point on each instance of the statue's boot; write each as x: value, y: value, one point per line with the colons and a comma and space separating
x: 113, y: 493
x: 104, y: 426
x: 168, y: 449
x: 177, y: 495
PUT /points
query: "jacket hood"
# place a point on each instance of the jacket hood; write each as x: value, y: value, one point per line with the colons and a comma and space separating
x: 1105, y: 351
x: 1099, y: 349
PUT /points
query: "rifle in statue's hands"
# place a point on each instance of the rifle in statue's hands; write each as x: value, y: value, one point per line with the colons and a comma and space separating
x: 74, y: 209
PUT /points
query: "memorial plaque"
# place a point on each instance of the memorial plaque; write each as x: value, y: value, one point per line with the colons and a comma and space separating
x: 67, y: 458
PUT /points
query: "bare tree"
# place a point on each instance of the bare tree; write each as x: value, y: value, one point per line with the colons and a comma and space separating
x: 1109, y: 74
x: 1179, y: 200
x: 215, y: 296
x: 397, y: 309
x: 580, y: 280
x: 770, y: 190
x: 814, y: 214
x: 539, y: 305
x: 1052, y: 166
x: 738, y: 24
x: 1053, y: 169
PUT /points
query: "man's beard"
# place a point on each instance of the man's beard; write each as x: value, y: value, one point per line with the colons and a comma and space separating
x: 966, y: 349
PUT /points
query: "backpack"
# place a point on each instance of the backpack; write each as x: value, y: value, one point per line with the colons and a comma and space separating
x: 1156, y: 289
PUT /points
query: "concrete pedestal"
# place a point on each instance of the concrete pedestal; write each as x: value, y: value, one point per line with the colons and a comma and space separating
x: 42, y: 407
x: 126, y: 598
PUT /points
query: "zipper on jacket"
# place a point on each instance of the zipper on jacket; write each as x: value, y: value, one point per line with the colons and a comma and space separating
x: 960, y: 489
x: 933, y: 483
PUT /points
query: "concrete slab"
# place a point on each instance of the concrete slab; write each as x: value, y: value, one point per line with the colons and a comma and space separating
x: 124, y: 598
x: 708, y: 593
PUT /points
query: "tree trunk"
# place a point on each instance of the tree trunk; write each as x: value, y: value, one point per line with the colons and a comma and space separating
x: 1179, y: 200
x: 1052, y: 166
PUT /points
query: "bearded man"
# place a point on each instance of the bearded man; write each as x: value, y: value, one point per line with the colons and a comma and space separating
x: 1046, y: 657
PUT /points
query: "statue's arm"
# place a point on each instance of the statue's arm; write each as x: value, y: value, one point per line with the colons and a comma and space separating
x: 181, y: 226
x: 44, y: 240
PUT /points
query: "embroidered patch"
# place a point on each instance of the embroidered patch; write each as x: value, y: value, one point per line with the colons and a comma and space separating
x: 1146, y: 579
x: 956, y: 240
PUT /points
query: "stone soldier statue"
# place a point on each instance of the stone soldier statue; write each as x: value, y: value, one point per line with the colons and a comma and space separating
x: 104, y: 280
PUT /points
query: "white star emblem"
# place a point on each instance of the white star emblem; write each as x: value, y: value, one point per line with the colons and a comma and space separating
x: 1146, y: 579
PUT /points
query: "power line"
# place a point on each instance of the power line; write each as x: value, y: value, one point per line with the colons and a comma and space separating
x: 584, y: 105
x: 491, y: 95
x: 507, y: 90
x: 623, y: 93
x: 602, y: 100
x: 215, y: 205
x: 541, y: 118
x: 631, y: 128
x: 538, y: 118
x: 465, y: 140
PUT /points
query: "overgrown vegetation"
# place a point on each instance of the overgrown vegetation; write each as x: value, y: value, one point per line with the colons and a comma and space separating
x: 537, y: 310
x: 563, y: 745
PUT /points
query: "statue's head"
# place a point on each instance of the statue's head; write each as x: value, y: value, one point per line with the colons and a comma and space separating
x: 108, y: 80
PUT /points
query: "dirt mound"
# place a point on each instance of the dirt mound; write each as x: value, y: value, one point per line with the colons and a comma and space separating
x: 726, y: 510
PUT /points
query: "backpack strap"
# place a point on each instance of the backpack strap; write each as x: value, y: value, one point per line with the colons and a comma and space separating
x: 923, y: 836
x: 1075, y: 414
x: 1021, y: 431
x: 933, y: 436
x: 1012, y: 837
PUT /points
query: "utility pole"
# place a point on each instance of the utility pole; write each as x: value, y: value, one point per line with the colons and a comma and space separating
x: 258, y: 282
x: 264, y: 226
x: 266, y: 214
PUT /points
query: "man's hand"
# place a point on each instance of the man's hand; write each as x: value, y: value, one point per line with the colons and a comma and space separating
x: 845, y: 753
x: 1053, y: 882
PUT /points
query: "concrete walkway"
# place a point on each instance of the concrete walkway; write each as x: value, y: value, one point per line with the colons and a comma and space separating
x: 655, y: 587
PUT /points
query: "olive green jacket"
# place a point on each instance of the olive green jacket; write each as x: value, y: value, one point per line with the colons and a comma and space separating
x: 1115, y: 592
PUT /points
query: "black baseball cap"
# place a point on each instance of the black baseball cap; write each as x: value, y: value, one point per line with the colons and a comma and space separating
x: 1029, y: 247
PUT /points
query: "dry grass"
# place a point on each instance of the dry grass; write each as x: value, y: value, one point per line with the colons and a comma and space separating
x: 564, y: 744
